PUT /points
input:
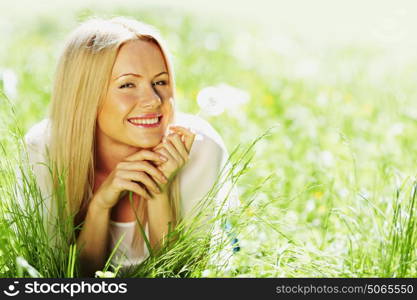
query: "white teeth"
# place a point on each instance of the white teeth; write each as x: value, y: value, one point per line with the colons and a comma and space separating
x: 144, y: 121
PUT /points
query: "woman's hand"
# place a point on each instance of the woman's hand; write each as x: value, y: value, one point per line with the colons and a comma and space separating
x: 176, y: 147
x: 135, y: 174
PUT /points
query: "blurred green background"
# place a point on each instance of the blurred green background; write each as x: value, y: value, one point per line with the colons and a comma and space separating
x: 336, y: 80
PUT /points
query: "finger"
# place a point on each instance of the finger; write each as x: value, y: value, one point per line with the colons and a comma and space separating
x: 188, y: 135
x: 188, y: 142
x: 182, y: 130
x: 159, y: 147
x: 173, y: 151
x: 144, y: 166
x: 156, y: 150
x: 136, y: 188
x: 140, y: 177
x: 166, y: 153
x: 179, y: 145
x: 146, y: 155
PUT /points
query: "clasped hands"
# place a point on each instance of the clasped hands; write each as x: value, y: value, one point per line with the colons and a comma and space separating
x: 148, y: 172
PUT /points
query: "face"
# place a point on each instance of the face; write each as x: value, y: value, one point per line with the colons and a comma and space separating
x: 138, y: 106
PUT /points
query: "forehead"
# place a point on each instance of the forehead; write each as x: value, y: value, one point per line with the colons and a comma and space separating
x: 142, y: 57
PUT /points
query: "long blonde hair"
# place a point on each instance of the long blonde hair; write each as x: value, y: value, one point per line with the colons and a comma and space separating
x: 81, y: 81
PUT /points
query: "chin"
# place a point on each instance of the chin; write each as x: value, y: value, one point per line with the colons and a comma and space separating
x: 149, y: 143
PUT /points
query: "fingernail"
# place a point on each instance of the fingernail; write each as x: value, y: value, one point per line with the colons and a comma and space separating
x: 163, y: 158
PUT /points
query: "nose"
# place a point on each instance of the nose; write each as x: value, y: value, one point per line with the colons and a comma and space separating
x: 150, y: 99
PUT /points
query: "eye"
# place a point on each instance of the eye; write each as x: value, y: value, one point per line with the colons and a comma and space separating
x: 127, y: 85
x: 161, y: 82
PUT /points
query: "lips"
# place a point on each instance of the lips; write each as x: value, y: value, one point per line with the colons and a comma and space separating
x: 146, y: 121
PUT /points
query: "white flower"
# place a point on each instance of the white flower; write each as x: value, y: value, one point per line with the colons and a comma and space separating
x: 310, y: 205
x: 10, y: 81
x: 343, y: 192
x: 210, y: 102
x: 107, y: 274
x: 206, y: 273
x: 214, y: 100
x: 326, y: 158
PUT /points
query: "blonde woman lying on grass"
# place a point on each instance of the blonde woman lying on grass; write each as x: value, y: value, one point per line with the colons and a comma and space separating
x: 111, y: 131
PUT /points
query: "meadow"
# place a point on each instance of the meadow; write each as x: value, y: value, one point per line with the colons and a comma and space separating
x: 329, y: 189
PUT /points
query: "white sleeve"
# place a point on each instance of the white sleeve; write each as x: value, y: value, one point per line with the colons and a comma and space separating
x: 33, y: 177
x: 201, y: 176
x: 200, y: 173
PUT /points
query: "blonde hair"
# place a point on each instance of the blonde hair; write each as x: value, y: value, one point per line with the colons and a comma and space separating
x: 81, y: 81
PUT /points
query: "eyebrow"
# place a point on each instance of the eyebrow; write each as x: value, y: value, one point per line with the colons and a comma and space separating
x: 138, y: 75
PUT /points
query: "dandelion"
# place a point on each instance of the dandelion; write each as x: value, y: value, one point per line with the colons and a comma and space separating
x: 343, y: 192
x: 327, y: 159
x: 210, y: 102
x: 207, y: 273
x: 10, y: 81
x: 214, y: 100
x: 310, y: 205
x: 107, y: 274
x: 318, y: 194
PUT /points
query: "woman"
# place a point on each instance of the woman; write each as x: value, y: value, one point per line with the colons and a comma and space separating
x: 110, y: 131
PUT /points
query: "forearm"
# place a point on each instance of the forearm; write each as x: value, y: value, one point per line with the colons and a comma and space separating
x: 93, y: 239
x: 160, y: 218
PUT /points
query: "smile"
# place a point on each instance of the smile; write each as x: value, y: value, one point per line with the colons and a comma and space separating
x: 148, y: 121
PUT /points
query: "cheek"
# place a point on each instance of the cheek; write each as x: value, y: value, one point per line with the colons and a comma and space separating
x: 117, y: 106
x: 169, y: 109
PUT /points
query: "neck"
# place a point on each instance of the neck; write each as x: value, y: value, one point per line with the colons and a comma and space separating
x: 109, y: 153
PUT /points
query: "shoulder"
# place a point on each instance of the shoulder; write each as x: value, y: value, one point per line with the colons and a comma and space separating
x: 37, y: 136
x: 207, y: 140
x: 36, y: 142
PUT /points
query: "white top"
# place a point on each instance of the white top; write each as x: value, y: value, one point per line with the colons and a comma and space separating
x: 207, y: 157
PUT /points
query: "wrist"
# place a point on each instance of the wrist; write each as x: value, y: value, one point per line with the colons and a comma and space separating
x: 165, y: 188
x: 159, y: 198
x: 96, y: 206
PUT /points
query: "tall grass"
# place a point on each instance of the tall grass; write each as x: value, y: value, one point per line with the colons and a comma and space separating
x: 399, y: 256
x: 23, y: 221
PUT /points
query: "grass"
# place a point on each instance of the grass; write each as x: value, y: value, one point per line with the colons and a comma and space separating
x: 329, y: 192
